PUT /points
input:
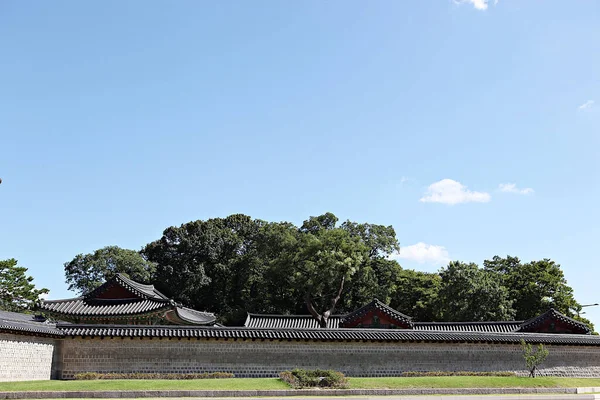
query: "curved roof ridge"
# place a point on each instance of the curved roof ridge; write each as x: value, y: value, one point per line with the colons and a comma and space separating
x: 141, y: 288
x: 131, y: 281
x: 63, y: 300
x: 383, y: 305
x: 194, y: 316
x: 378, y: 304
x: 553, y: 313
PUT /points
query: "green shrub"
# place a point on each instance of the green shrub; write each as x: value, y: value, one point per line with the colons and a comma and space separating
x: 409, y: 374
x: 302, y: 378
x: 143, y: 375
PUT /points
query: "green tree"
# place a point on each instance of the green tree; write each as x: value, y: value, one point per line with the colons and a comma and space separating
x: 323, y: 266
x: 316, y: 224
x: 341, y: 267
x: 416, y: 294
x: 218, y: 264
x: 17, y: 291
x: 237, y: 264
x: 535, y: 287
x: 503, y: 266
x: 86, y: 272
x: 380, y: 239
x: 533, y: 359
x: 377, y: 276
x: 468, y: 293
x: 279, y: 244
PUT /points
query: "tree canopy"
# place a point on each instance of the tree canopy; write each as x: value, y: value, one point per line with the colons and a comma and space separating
x: 332, y: 262
x: 17, y: 290
x: 535, y: 287
x: 238, y: 264
x: 86, y: 272
x: 416, y: 294
x: 469, y: 293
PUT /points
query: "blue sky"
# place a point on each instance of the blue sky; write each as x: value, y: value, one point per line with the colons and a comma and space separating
x: 472, y: 128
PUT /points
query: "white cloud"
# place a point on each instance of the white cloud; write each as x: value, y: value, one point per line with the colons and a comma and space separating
x: 478, y: 4
x: 587, y: 105
x: 512, y: 188
x: 423, y: 253
x: 448, y: 191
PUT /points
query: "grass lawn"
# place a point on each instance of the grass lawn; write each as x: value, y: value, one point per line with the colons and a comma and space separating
x: 469, y: 382
x: 273, y: 383
x: 150, y: 384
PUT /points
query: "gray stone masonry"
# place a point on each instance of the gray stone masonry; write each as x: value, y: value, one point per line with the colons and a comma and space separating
x: 25, y: 358
x: 247, y: 358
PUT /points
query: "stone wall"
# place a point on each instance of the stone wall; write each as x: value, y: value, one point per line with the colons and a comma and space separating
x: 247, y: 358
x: 25, y: 358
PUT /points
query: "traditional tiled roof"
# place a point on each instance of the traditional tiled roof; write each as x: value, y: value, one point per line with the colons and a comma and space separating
x: 340, y: 335
x: 141, y: 301
x: 289, y: 321
x: 395, y: 315
x: 139, y: 289
x: 354, y: 319
x: 552, y: 315
x: 80, y: 306
x: 308, y: 322
x: 12, y: 322
x: 193, y: 316
x: 497, y: 326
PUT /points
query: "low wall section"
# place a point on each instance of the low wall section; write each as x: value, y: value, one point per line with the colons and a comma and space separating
x: 248, y: 358
x: 24, y: 358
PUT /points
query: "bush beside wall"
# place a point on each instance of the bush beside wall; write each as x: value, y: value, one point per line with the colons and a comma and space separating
x: 302, y: 378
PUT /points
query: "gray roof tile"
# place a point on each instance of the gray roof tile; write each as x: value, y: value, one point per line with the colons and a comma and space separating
x: 308, y: 322
x: 289, y: 321
x: 81, y: 307
x: 499, y: 326
x: 147, y: 300
x: 27, y: 323
x: 194, y: 316
x: 385, y: 335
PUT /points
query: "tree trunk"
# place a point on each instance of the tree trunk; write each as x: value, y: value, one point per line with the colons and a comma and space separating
x: 323, y: 318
